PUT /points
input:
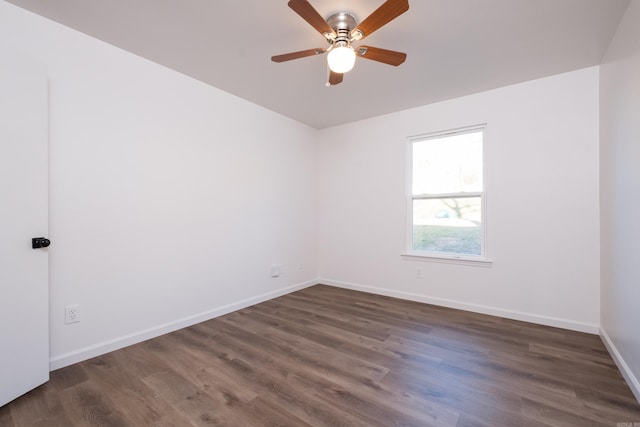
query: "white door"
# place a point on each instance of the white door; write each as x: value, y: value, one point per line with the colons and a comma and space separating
x: 24, y: 272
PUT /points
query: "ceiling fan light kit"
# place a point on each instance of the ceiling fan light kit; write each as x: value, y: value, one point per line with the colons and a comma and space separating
x: 340, y: 30
x: 341, y: 59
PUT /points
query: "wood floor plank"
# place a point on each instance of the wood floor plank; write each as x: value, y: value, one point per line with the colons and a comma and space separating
x: 314, y: 314
x: 124, y: 388
x: 325, y: 356
x: 230, y: 351
x: 69, y: 377
x: 624, y: 404
x: 244, y: 320
x: 206, y: 368
x: 276, y: 378
x: 86, y: 404
x: 341, y: 364
x: 462, y: 395
x: 298, y: 355
x: 557, y: 417
x: 193, y: 403
x: 6, y: 420
x: 40, y: 407
x: 338, y: 337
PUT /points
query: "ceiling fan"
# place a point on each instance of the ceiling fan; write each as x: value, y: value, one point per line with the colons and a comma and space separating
x: 341, y: 30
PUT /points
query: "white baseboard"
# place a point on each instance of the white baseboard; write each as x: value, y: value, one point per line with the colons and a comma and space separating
x: 85, y: 353
x: 493, y: 311
x: 626, y: 372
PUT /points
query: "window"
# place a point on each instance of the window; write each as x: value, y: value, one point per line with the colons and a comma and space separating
x: 446, y: 200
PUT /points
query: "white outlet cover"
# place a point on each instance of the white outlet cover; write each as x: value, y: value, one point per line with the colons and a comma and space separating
x: 71, y: 314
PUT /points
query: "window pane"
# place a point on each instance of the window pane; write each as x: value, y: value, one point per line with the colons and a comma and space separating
x: 448, y: 164
x: 447, y: 225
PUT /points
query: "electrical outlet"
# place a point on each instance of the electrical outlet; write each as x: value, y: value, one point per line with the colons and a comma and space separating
x: 419, y: 274
x: 71, y: 314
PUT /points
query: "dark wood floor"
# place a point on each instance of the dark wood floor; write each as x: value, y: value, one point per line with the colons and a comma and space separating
x: 331, y: 357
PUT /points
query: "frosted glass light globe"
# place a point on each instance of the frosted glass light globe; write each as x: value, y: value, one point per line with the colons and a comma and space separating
x: 341, y: 59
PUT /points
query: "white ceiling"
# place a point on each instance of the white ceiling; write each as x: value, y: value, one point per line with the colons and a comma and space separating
x: 454, y: 47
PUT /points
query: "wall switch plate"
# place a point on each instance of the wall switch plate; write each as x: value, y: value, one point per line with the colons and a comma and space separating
x: 71, y: 314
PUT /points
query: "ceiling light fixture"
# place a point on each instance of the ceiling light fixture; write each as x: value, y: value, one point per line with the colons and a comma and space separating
x: 341, y: 58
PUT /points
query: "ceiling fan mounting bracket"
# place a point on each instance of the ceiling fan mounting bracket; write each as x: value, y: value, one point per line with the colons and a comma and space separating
x: 342, y: 21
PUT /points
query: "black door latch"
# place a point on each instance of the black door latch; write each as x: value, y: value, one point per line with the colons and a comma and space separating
x: 40, y: 242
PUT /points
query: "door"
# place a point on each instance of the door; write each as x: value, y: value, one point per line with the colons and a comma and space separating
x: 24, y: 272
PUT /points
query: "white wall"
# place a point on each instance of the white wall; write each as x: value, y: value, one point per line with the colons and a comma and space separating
x: 620, y: 195
x: 542, y: 203
x: 169, y: 199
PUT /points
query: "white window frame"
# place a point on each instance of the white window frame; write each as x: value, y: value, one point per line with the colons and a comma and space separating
x: 410, y: 253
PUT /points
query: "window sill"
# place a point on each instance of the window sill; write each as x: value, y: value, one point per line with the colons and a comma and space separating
x: 448, y: 259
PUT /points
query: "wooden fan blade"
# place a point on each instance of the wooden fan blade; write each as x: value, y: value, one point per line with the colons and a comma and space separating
x: 309, y: 14
x: 386, y: 13
x: 335, y: 78
x: 390, y: 57
x: 295, y: 55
